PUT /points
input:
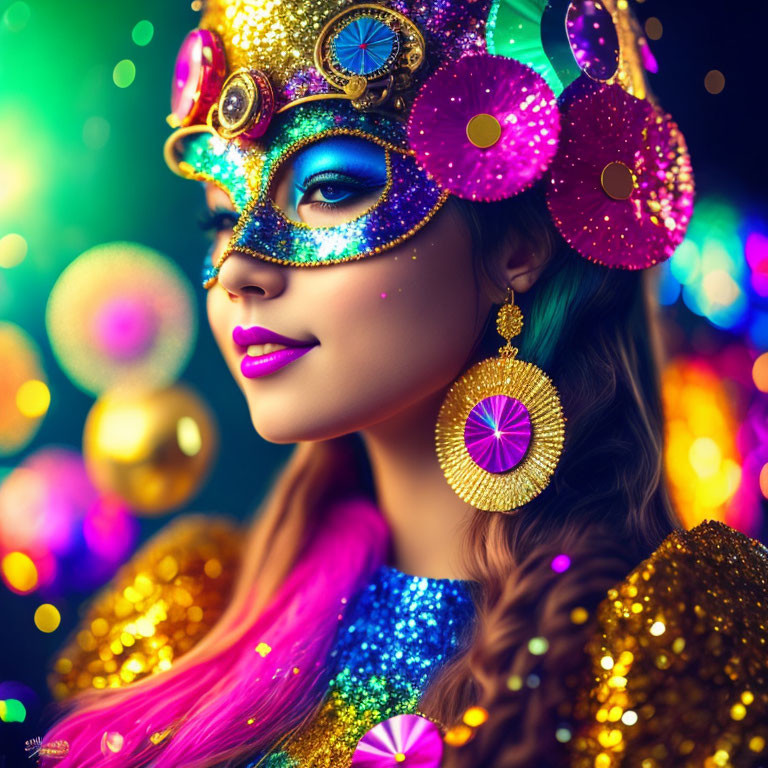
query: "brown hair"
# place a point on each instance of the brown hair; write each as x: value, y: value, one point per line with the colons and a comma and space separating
x: 592, y: 329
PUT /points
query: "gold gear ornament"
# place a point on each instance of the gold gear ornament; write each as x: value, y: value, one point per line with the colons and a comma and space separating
x: 534, y: 426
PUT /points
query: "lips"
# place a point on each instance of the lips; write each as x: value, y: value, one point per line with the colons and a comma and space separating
x: 260, y: 355
x: 244, y: 337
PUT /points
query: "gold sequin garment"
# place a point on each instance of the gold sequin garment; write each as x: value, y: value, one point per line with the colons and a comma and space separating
x: 158, y: 606
x: 680, y: 660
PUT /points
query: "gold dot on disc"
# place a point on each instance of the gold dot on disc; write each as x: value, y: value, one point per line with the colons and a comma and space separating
x: 483, y: 130
x: 617, y: 181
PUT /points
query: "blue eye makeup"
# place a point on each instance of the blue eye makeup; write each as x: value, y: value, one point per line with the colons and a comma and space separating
x: 355, y: 164
x: 335, y: 172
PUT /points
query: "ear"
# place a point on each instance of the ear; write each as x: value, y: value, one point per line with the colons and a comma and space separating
x: 523, y: 269
x: 519, y: 265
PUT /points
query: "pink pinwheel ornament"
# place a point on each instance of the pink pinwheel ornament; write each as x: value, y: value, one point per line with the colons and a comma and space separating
x: 622, y: 186
x: 485, y: 127
x: 408, y: 740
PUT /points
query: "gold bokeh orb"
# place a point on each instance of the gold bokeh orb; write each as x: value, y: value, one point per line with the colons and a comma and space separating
x: 152, y: 449
x: 24, y: 393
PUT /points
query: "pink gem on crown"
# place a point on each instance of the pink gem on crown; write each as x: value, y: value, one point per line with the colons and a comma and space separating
x: 201, y: 67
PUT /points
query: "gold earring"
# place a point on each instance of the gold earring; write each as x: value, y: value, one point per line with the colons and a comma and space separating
x: 501, y: 427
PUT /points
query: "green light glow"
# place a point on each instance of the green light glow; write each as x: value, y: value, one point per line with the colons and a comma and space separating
x: 16, y: 16
x: 96, y: 132
x: 12, y: 711
x: 124, y: 73
x: 143, y: 33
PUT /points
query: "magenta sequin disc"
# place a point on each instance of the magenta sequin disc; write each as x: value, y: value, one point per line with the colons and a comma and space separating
x: 198, y: 75
x: 606, y: 130
x: 408, y: 740
x: 497, y: 433
x: 497, y: 89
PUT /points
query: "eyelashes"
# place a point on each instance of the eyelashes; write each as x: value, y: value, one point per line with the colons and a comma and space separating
x: 329, y: 189
x: 218, y: 220
x: 332, y: 189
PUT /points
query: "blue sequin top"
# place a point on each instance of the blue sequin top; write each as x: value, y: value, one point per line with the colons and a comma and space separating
x: 398, y: 631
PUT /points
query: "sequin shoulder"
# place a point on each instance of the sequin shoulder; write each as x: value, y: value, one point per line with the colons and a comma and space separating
x: 680, y: 659
x: 160, y: 604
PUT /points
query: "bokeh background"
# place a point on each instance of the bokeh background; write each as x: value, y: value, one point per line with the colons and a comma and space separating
x: 100, y: 252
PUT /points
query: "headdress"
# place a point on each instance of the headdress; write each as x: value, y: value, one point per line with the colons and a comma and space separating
x: 474, y: 98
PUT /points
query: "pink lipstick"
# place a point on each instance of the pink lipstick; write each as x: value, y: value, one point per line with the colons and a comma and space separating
x: 266, y: 351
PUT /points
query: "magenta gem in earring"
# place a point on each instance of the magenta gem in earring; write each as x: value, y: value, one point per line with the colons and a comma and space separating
x: 497, y: 433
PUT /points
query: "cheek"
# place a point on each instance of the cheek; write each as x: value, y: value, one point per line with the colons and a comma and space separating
x: 405, y: 323
x: 222, y: 321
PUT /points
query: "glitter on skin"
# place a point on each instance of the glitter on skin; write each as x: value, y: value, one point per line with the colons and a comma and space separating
x: 393, y: 639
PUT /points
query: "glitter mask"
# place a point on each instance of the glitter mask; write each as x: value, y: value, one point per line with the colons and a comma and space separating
x: 407, y: 202
x: 259, y: 81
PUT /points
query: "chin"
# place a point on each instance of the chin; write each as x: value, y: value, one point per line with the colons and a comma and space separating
x: 292, y: 424
x: 288, y: 430
x: 273, y: 430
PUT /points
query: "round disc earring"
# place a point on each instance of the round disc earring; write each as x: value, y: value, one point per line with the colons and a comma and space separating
x: 501, y: 428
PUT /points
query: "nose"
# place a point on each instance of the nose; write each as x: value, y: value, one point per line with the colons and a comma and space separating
x: 242, y: 275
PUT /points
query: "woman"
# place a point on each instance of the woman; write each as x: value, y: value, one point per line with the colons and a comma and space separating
x: 471, y: 558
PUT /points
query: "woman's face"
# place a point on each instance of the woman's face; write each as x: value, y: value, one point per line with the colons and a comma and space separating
x: 378, y: 335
